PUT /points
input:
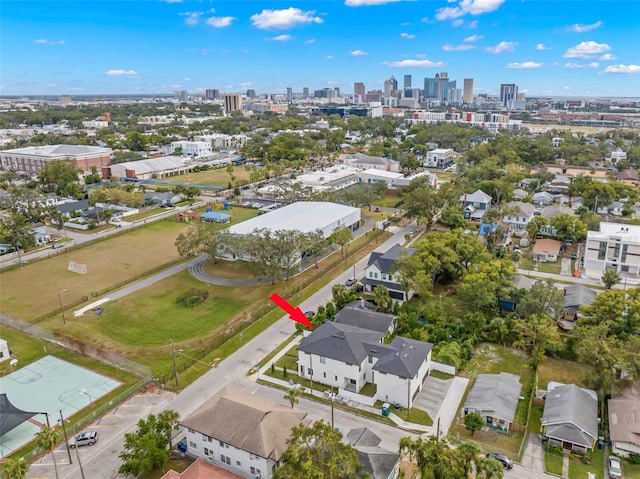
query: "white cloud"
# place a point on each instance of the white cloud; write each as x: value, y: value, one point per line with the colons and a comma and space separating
x: 193, y: 18
x: 473, y: 25
x: 566, y: 88
x: 473, y: 38
x: 310, y: 41
x: 502, y: 47
x: 281, y: 38
x: 587, y: 50
x: 625, y: 69
x: 220, y: 22
x: 427, y: 20
x: 187, y: 79
x: 524, y: 65
x: 283, y: 19
x: 458, y: 22
x: 414, y: 64
x: 53, y: 43
x: 246, y: 84
x: 578, y: 28
x: 607, y: 57
x: 121, y: 73
x: 582, y: 65
x: 366, y: 3
x: 330, y: 57
x: 358, y: 53
x: 457, y: 48
x: 407, y: 35
x: 542, y: 46
x: 472, y: 7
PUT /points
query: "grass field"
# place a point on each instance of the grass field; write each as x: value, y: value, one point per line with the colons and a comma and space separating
x: 553, y: 268
x: 561, y: 371
x: 578, y: 470
x: 553, y: 463
x: 218, y: 177
x: 109, y: 262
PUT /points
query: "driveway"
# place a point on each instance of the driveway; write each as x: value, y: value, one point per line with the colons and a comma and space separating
x: 533, y: 456
x: 432, y: 395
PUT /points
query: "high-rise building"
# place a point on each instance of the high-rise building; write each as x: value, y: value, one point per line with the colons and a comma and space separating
x: 337, y: 91
x: 181, y: 95
x: 467, y: 94
x: 431, y: 87
x: 64, y: 99
x: 446, y: 87
x: 508, y: 92
x: 359, y: 92
x: 390, y: 87
x: 251, y: 93
x: 211, y: 94
x: 443, y: 80
x: 407, y: 82
x: 232, y: 102
x: 305, y: 93
x: 289, y: 93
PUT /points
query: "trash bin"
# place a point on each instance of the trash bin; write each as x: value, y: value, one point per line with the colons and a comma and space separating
x: 386, y: 409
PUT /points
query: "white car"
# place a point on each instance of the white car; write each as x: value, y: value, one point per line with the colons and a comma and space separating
x: 615, y: 468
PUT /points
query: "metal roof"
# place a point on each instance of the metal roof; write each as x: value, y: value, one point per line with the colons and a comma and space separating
x: 571, y: 414
x: 495, y: 395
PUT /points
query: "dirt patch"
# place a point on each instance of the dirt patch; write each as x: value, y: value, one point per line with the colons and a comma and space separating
x: 409, y: 469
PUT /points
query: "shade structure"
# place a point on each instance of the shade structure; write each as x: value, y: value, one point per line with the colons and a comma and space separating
x: 10, y: 416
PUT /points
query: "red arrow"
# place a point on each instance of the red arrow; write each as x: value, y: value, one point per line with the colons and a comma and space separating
x: 295, y: 314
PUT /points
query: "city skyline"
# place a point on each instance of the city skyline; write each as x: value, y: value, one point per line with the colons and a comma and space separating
x: 546, y: 48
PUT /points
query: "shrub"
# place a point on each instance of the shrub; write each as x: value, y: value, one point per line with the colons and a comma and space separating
x: 634, y: 458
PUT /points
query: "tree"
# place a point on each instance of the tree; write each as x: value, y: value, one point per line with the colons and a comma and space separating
x: 543, y: 298
x: 342, y: 236
x: 610, y: 278
x: 537, y: 333
x: 382, y: 298
x: 469, y: 455
x: 421, y: 201
x: 473, y: 422
x: 168, y: 420
x: 317, y: 452
x: 16, y: 230
x: 569, y: 227
x: 56, y: 175
x: 453, y: 217
x: 292, y: 397
x: 490, y: 468
x: 146, y: 449
x: 48, y: 438
x: 535, y: 225
x: 16, y: 468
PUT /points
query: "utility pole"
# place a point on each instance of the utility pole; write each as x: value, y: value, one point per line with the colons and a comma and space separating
x: 66, y: 440
x: 408, y: 397
x: 78, y: 456
x: 332, y: 401
x: 175, y: 365
x: 311, y: 374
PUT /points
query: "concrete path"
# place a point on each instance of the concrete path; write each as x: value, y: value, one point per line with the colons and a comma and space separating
x: 565, y: 267
x: 565, y: 464
x: 432, y: 395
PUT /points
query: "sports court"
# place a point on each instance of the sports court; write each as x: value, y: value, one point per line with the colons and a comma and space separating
x: 49, y: 385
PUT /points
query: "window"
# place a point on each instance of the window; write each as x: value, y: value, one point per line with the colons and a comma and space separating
x: 221, y: 444
x: 225, y: 459
x: 193, y: 445
x: 323, y: 360
x: 352, y: 381
x: 324, y: 375
x: 204, y: 437
x: 602, y: 250
x: 238, y: 464
x: 192, y: 431
x: 370, y: 359
x: 253, y: 470
x: 335, y: 378
x: 206, y: 452
x: 624, y: 268
x: 310, y: 371
x: 251, y: 456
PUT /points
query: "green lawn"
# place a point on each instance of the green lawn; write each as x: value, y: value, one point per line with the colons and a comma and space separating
x: 578, y: 470
x: 389, y: 201
x: 218, y: 177
x: 415, y: 415
x: 178, y: 464
x: 369, y: 389
x: 553, y: 268
x: 631, y: 471
x: 553, y: 463
x: 535, y: 418
x: 562, y: 371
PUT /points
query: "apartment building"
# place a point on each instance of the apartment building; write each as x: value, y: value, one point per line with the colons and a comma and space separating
x: 614, y: 247
x: 31, y: 159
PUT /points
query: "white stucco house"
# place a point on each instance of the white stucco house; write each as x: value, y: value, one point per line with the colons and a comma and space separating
x: 348, y: 357
x: 242, y: 433
x: 439, y: 158
x: 518, y: 215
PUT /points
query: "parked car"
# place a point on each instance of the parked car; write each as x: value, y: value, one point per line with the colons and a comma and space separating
x: 87, y: 438
x: 309, y: 314
x: 57, y: 245
x: 506, y: 462
x: 350, y: 282
x: 615, y: 468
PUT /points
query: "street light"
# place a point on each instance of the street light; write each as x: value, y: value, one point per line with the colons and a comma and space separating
x: 64, y: 320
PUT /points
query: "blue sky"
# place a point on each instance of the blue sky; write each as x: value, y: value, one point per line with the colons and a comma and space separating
x: 549, y: 47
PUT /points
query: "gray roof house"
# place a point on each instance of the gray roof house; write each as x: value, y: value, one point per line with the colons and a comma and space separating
x: 624, y: 421
x: 348, y: 357
x: 542, y: 198
x: 475, y: 205
x: 165, y: 198
x: 575, y: 296
x: 360, y: 160
x: 570, y: 417
x: 378, y: 462
x: 239, y: 432
x: 361, y: 317
x: 519, y: 214
x: 379, y: 271
x: 495, y: 397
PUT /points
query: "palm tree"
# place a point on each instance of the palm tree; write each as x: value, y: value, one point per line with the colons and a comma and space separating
x: 491, y: 468
x: 16, y: 468
x: 169, y: 421
x: 48, y: 438
x: 292, y: 397
x: 469, y: 455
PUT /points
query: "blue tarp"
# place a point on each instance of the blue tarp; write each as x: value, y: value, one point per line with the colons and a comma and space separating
x: 487, y: 228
